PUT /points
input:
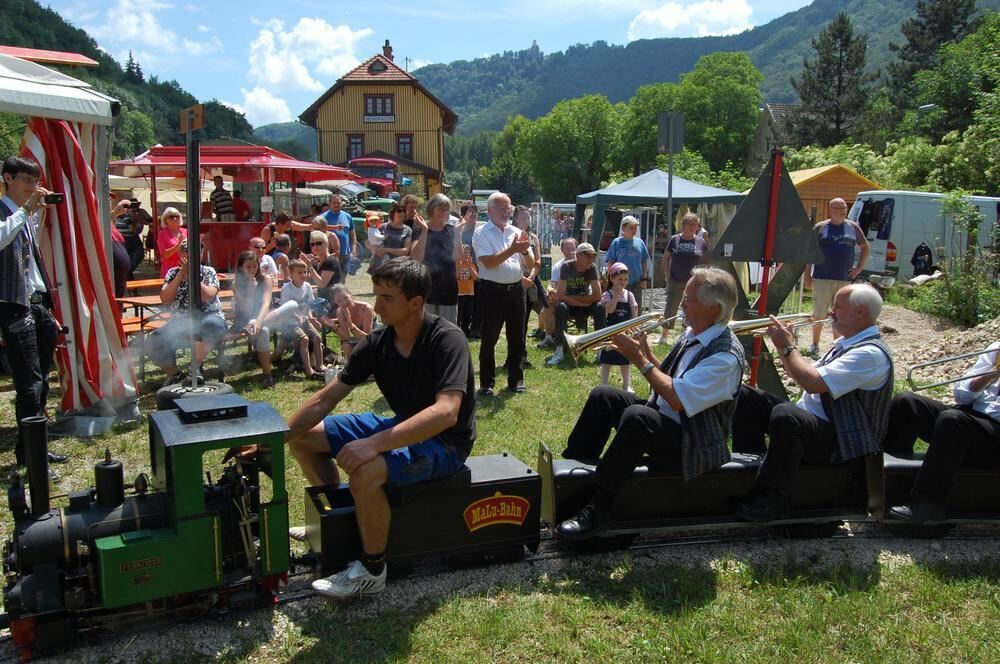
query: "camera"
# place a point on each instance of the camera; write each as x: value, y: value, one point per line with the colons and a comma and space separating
x: 134, y: 204
x: 54, y: 199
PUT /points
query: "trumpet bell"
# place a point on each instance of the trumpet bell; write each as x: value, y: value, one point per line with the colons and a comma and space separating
x: 578, y: 344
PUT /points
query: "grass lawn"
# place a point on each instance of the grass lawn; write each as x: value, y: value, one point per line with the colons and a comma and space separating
x: 731, y: 603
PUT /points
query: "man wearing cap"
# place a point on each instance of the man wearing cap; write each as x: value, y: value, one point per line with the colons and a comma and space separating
x: 579, y: 295
x: 222, y: 201
x: 629, y: 249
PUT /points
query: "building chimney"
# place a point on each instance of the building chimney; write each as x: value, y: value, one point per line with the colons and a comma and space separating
x: 387, y: 51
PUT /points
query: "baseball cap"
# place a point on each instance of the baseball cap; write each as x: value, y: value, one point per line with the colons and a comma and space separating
x: 586, y: 248
x: 617, y: 268
x: 630, y: 221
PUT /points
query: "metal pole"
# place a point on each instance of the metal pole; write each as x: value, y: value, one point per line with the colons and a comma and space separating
x: 768, y: 259
x: 193, y: 175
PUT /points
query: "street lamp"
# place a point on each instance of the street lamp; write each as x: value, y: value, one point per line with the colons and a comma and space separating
x: 921, y: 111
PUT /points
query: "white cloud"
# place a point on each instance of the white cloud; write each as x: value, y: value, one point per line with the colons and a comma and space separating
x: 414, y: 63
x: 261, y: 107
x: 697, y: 19
x: 295, y: 59
x: 144, y: 34
x: 204, y: 28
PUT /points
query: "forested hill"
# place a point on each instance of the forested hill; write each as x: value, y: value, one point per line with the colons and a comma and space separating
x: 486, y: 91
x: 149, y: 106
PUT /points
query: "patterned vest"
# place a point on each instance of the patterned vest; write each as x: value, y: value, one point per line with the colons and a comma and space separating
x: 704, y: 435
x: 861, y: 417
x: 14, y: 263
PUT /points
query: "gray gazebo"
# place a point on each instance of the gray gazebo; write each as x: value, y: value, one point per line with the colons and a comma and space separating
x: 650, y: 188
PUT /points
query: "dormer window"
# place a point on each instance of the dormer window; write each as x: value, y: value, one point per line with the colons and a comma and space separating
x: 377, y: 67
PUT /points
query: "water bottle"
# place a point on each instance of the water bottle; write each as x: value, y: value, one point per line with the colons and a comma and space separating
x: 331, y: 372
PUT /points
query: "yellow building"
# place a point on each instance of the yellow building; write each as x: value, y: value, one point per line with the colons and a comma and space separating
x: 379, y: 110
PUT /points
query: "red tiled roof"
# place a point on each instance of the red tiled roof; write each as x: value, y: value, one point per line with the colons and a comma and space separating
x: 368, y: 71
x: 392, y: 75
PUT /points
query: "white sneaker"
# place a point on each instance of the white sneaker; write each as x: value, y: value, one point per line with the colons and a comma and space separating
x: 556, y: 358
x: 352, y: 582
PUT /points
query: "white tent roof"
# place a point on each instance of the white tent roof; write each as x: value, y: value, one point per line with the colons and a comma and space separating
x: 30, y: 89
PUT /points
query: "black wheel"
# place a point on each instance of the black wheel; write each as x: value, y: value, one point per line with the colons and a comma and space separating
x: 166, y: 396
x: 917, y: 531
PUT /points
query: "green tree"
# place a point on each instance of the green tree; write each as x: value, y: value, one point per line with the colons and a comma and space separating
x: 133, y: 133
x: 569, y: 148
x: 509, y: 170
x: 833, y: 87
x: 11, y: 132
x: 635, y: 149
x: 464, y: 156
x: 720, y: 98
x: 937, y: 22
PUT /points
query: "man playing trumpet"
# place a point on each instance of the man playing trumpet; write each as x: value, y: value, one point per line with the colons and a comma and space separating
x: 842, y: 414
x: 687, y: 417
x: 968, y: 432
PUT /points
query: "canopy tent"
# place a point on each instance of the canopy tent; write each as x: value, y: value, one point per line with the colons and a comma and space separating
x: 647, y: 189
x: 245, y: 163
x: 68, y: 134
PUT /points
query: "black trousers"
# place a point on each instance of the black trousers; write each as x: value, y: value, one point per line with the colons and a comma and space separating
x: 502, y: 305
x: 796, y: 437
x: 565, y: 312
x: 956, y: 437
x: 466, y: 312
x: 30, y: 336
x: 641, y: 431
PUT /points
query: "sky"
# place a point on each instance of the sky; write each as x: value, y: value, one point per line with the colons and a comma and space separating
x: 272, y: 59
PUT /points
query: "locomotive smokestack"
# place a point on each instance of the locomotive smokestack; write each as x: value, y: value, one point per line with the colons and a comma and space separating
x: 36, y: 458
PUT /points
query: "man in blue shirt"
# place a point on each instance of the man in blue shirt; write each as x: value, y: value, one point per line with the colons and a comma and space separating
x: 629, y: 249
x: 341, y: 224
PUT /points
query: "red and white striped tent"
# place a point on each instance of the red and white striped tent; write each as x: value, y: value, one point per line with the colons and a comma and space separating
x: 69, y: 135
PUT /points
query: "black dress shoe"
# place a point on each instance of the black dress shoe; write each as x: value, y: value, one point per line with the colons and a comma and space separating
x: 57, y: 458
x: 584, y: 525
x: 764, y: 507
x: 517, y: 388
x: 927, y: 514
x: 486, y: 392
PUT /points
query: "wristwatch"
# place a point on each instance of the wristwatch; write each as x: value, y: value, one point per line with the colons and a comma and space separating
x: 646, y: 368
x: 787, y: 350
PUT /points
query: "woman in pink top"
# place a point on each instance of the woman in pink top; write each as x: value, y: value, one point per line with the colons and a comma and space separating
x: 168, y: 240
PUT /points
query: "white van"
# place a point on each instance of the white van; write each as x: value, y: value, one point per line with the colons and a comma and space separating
x: 897, y: 222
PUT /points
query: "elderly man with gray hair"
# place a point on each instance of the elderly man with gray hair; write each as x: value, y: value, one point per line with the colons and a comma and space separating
x: 843, y: 413
x: 687, y: 416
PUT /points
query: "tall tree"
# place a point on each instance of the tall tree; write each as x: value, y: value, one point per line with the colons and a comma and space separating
x: 721, y: 98
x: 509, y: 172
x: 937, y: 22
x: 569, y: 148
x: 833, y: 87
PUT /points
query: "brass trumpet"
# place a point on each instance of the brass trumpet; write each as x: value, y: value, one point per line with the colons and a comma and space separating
x: 577, y: 344
x: 795, y: 327
x: 758, y: 325
x: 914, y: 386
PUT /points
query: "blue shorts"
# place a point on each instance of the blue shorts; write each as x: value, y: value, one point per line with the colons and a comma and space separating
x: 431, y: 459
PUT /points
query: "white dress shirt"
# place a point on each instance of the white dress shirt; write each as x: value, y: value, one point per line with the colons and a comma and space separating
x: 488, y: 240
x: 713, y: 380
x: 986, y: 401
x: 9, y: 229
x: 865, y: 368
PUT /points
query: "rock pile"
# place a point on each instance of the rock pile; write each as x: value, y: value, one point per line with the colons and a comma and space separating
x: 962, y: 341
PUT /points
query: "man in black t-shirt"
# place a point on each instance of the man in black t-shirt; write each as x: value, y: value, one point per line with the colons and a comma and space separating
x: 422, y: 366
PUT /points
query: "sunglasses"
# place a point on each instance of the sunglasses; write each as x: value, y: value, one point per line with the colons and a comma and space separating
x: 258, y: 246
x: 316, y: 244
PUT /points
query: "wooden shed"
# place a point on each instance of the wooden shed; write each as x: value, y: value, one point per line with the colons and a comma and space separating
x: 816, y: 186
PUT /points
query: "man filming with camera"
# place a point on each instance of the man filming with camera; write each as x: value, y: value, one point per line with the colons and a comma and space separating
x: 26, y: 321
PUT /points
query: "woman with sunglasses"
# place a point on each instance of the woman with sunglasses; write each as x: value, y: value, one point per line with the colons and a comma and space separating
x: 324, y: 267
x: 169, y: 238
